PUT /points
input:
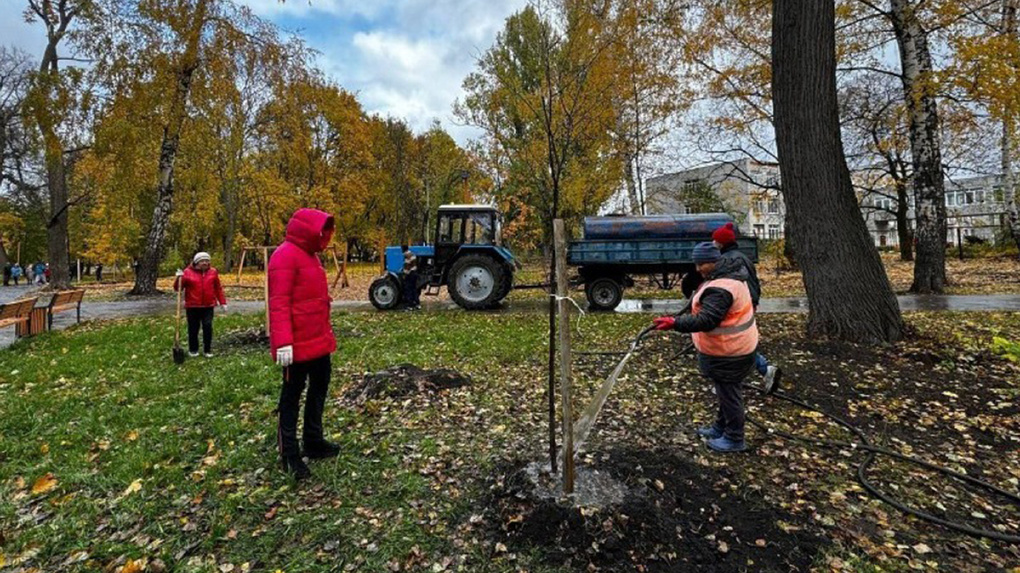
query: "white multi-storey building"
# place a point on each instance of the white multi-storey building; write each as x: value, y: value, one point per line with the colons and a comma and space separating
x: 749, y: 190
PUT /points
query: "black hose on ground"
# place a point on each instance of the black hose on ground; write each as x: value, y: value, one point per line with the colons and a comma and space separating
x: 874, y: 451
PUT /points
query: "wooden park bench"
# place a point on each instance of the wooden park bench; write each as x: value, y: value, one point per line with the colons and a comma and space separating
x: 63, y: 301
x: 17, y: 313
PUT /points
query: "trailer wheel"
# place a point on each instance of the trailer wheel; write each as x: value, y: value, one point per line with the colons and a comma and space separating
x: 603, y: 293
x: 477, y: 282
x: 384, y: 293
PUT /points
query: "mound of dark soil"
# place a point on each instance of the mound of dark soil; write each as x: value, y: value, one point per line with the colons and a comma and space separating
x: 405, y: 379
x: 678, y: 516
x: 244, y: 337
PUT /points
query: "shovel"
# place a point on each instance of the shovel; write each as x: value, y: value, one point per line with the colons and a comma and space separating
x: 178, y: 351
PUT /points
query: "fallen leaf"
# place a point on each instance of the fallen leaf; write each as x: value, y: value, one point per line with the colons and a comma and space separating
x: 134, y: 566
x: 272, y: 512
x: 44, y: 484
x: 45, y: 449
x: 723, y: 548
x: 132, y: 435
x: 922, y: 548
x: 135, y: 487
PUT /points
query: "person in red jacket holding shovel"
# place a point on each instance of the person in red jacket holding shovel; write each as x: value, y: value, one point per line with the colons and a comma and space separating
x: 301, y: 336
x: 202, y: 293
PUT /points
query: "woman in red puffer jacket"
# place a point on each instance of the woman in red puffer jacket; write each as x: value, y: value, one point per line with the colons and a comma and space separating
x: 202, y: 293
x: 301, y: 336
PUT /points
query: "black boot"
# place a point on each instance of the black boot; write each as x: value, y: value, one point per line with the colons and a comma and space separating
x: 296, y: 467
x: 321, y: 449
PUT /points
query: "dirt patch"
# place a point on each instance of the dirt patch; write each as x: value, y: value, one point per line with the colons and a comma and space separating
x: 402, y: 380
x: 254, y: 337
x: 676, y: 516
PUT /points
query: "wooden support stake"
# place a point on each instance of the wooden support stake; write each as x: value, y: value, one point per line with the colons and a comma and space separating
x: 560, y: 242
x: 265, y: 283
x: 240, y: 267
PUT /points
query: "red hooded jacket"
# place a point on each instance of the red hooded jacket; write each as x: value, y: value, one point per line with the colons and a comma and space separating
x: 298, y: 289
x: 201, y: 290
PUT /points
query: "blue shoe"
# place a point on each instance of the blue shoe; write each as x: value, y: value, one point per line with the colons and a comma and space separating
x: 710, y: 432
x: 726, y: 445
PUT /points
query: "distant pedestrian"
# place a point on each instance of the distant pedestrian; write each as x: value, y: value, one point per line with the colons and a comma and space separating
x: 7, y: 274
x: 412, y: 291
x: 16, y: 273
x: 202, y: 293
x: 99, y: 272
x: 46, y: 273
x: 39, y: 273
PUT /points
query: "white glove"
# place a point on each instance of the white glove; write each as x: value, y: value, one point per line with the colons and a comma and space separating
x: 285, y: 356
x: 179, y: 273
x: 224, y: 307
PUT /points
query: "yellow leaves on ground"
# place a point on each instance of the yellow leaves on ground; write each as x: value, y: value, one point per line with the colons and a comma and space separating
x: 135, y: 487
x: 44, y: 484
x: 134, y: 566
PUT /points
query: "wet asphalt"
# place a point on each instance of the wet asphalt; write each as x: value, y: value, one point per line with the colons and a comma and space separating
x: 163, y: 306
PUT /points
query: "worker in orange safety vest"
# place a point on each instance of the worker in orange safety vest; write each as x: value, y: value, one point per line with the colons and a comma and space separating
x: 722, y: 326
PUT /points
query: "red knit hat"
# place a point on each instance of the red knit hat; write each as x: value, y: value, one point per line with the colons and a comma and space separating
x: 725, y: 235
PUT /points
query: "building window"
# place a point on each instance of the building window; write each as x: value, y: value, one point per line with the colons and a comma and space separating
x: 881, y: 240
x: 759, y: 207
x: 774, y: 232
x: 773, y: 206
x: 759, y: 231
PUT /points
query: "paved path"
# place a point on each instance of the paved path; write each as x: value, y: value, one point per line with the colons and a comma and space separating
x: 165, y: 306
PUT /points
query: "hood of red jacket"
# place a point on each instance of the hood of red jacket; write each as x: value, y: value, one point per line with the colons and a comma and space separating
x: 310, y: 229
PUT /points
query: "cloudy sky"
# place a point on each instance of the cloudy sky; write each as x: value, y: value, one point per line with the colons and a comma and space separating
x: 404, y: 58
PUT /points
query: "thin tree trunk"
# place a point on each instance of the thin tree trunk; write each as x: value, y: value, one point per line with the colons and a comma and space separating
x: 925, y: 149
x: 56, y: 179
x: 148, y: 268
x: 904, y: 233
x: 849, y: 295
x: 1009, y: 9
x: 632, y: 191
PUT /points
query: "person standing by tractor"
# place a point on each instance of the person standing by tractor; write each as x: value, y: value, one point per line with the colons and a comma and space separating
x: 202, y: 293
x: 725, y: 239
x: 722, y: 325
x: 412, y: 292
x: 301, y: 337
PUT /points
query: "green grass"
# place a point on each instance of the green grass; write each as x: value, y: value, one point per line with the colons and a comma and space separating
x: 102, y: 406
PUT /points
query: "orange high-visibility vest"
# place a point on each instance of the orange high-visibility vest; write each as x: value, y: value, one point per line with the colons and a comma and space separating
x: 737, y: 334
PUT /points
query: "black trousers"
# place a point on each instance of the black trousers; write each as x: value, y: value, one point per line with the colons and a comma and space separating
x: 412, y: 293
x: 317, y: 373
x: 200, y: 317
x: 728, y: 374
x: 730, y: 418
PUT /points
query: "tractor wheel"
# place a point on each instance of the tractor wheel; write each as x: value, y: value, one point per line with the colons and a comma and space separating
x: 384, y: 293
x: 477, y: 282
x: 603, y: 293
x: 508, y: 284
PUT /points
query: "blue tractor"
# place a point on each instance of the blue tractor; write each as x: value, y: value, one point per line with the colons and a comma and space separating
x: 467, y: 258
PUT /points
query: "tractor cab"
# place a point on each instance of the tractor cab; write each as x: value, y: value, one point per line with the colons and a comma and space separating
x: 458, y: 225
x: 467, y: 257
